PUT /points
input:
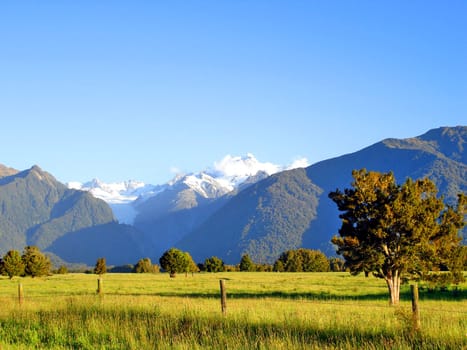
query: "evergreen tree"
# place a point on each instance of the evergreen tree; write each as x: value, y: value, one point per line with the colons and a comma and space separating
x: 396, y: 232
x: 35, y: 262
x: 12, y: 264
x: 101, y: 267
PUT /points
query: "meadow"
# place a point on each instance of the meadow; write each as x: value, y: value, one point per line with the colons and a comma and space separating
x: 264, y: 311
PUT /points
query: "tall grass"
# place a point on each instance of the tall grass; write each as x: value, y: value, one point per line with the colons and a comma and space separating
x: 264, y: 311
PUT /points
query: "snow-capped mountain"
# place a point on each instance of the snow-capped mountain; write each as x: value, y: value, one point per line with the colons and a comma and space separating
x: 119, y: 195
x: 117, y: 192
x: 231, y: 172
x: 223, y: 177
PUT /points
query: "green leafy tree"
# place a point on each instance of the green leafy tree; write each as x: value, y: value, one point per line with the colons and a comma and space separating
x: 246, y: 264
x: 35, y: 262
x: 145, y: 266
x: 191, y: 266
x: 175, y: 261
x: 213, y: 264
x: 306, y: 260
x: 12, y: 264
x: 313, y: 260
x: 101, y: 266
x: 396, y: 232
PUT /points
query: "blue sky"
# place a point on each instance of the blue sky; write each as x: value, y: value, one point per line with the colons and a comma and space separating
x: 131, y: 89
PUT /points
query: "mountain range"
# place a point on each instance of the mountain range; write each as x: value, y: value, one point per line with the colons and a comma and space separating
x: 238, y: 206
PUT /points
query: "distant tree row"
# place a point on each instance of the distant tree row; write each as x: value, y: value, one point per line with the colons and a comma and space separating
x: 176, y: 261
x: 299, y: 260
x: 31, y: 263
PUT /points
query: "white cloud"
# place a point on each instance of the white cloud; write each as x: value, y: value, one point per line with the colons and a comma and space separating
x: 235, y: 166
x: 299, y: 163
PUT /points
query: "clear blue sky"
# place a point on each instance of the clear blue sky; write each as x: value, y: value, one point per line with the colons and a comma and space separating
x: 130, y: 89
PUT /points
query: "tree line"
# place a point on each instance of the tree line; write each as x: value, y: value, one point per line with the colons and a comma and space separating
x: 175, y: 261
x: 34, y: 263
x: 31, y: 263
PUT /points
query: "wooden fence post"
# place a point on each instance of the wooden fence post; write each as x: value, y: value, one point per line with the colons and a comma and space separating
x: 20, y: 293
x: 415, y: 309
x: 100, y: 288
x: 223, y: 297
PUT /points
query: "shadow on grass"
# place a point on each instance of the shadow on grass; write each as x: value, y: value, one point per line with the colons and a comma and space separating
x: 455, y: 295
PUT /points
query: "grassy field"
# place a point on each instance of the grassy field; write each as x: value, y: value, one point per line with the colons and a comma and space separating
x: 264, y: 311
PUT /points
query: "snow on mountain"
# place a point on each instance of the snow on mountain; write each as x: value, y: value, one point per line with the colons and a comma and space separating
x: 225, y: 176
x: 206, y: 185
x: 232, y: 171
x: 229, y: 173
x: 117, y: 192
x: 119, y: 195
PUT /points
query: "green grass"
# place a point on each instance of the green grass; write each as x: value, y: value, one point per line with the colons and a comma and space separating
x: 264, y: 311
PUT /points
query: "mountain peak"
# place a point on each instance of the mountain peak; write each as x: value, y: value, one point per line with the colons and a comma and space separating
x: 6, y: 171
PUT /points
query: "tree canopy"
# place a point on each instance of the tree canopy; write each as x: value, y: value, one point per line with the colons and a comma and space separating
x: 397, y: 232
x: 35, y: 262
x: 302, y: 260
x: 145, y: 266
x: 12, y: 264
x: 246, y: 264
x: 213, y: 264
x: 176, y: 261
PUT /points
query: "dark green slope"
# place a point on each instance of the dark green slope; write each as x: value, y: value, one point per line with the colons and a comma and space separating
x: 292, y: 208
x: 164, y: 231
x: 36, y: 209
x: 438, y: 154
x: 119, y: 244
x: 263, y: 220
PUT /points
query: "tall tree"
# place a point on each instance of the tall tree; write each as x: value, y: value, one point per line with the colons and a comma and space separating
x: 175, y: 261
x: 12, y: 264
x: 397, y: 232
x: 35, y: 262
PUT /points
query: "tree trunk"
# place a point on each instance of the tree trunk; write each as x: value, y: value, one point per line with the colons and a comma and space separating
x: 393, y: 281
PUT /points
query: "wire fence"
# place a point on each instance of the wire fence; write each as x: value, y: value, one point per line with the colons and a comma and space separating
x: 22, y: 296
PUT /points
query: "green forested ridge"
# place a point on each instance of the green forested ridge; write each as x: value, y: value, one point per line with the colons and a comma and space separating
x: 36, y: 209
x: 425, y: 156
x: 263, y: 220
x: 292, y: 209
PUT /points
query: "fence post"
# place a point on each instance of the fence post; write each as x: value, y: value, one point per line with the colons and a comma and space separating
x: 100, y: 289
x: 20, y: 293
x: 223, y: 297
x: 415, y: 309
